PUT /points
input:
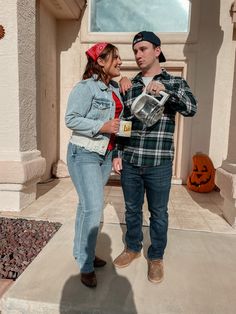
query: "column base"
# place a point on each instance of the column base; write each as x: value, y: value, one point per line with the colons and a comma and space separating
x: 18, y: 181
x: 226, y: 181
x: 60, y: 170
x: 15, y: 197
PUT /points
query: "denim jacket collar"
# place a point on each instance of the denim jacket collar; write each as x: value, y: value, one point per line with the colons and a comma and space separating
x: 113, y: 85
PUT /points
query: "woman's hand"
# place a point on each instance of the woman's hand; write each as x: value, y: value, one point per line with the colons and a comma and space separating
x: 125, y: 84
x: 154, y: 87
x: 117, y: 165
x: 111, y: 126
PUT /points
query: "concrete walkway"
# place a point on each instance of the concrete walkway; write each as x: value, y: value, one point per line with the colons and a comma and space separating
x: 200, y: 264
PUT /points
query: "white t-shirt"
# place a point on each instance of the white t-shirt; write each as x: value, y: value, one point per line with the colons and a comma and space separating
x: 147, y: 79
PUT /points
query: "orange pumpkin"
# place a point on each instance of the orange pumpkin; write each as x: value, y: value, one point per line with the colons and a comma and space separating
x: 202, y: 178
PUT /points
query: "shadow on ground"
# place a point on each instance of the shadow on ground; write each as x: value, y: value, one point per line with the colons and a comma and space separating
x: 112, y: 295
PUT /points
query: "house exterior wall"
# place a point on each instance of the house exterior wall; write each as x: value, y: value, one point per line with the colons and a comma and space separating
x: 207, y: 56
x: 226, y: 173
x: 201, y: 55
x: 75, y: 55
x: 223, y: 87
x: 70, y: 58
x: 21, y: 164
x: 58, y: 36
x: 47, y: 90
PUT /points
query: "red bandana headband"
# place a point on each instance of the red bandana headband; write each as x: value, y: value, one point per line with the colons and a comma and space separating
x: 95, y: 51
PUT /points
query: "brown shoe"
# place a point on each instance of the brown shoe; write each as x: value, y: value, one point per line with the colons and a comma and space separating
x: 98, y: 262
x: 89, y: 279
x: 125, y: 258
x: 155, y: 270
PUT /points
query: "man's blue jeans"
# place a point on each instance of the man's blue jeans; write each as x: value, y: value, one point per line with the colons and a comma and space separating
x: 89, y: 172
x: 156, y: 182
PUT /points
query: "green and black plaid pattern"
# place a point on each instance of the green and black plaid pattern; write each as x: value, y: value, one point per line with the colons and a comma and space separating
x: 151, y: 146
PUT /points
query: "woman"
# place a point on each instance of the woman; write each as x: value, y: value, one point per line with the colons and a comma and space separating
x: 93, y: 112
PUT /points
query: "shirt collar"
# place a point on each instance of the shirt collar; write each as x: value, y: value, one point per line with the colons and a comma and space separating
x: 138, y: 77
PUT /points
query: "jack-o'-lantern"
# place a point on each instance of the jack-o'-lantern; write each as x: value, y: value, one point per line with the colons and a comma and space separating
x: 202, y: 178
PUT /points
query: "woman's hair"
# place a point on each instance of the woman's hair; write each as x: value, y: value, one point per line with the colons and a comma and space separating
x: 92, y: 67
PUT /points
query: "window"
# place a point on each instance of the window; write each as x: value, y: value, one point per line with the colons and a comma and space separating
x: 132, y: 16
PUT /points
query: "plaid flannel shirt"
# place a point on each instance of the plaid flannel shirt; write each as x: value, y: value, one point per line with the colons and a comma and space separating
x: 151, y: 146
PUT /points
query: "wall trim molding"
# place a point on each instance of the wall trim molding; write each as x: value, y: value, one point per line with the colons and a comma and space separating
x: 65, y: 9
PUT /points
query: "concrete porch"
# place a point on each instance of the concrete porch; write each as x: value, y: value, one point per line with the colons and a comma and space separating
x: 200, y: 260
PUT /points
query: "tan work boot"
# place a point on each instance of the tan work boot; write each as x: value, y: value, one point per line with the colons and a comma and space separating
x: 125, y: 258
x: 155, y: 270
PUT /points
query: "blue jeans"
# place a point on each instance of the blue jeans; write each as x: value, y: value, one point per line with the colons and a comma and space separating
x: 156, y: 182
x: 89, y: 172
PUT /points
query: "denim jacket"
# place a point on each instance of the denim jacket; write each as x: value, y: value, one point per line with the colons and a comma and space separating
x: 90, y: 104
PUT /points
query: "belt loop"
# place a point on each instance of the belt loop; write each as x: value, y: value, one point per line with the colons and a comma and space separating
x: 74, y: 149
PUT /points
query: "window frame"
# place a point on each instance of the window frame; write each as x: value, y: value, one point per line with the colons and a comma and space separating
x: 126, y: 37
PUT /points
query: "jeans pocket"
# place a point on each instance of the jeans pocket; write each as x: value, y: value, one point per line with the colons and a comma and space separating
x: 73, y: 150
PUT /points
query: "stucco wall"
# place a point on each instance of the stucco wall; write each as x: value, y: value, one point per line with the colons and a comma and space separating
x: 9, y: 127
x: 47, y: 98
x: 209, y: 57
x: 17, y: 79
x: 27, y: 75
x: 73, y: 44
x: 21, y: 164
x: 70, y: 64
x: 224, y: 89
x: 213, y: 77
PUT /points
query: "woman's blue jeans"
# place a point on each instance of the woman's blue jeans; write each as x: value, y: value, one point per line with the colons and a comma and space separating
x: 89, y: 172
x: 156, y: 182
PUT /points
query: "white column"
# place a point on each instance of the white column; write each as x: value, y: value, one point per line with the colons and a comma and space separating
x: 226, y: 174
x: 21, y: 164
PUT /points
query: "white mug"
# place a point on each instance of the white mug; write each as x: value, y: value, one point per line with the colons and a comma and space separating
x: 125, y: 128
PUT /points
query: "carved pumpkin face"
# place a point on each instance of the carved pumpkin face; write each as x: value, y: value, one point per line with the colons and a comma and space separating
x: 202, y: 178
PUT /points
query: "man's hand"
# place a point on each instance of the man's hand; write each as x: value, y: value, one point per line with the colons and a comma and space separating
x: 125, y: 84
x: 117, y: 165
x: 154, y: 87
x: 110, y: 127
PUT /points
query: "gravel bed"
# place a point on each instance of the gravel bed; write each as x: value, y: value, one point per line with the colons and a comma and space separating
x: 20, y: 242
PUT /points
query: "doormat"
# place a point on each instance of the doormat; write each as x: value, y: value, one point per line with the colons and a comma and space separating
x: 20, y: 242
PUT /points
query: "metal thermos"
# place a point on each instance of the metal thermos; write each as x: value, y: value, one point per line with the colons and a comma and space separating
x: 149, y: 109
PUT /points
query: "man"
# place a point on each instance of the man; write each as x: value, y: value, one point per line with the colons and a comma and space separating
x: 146, y: 157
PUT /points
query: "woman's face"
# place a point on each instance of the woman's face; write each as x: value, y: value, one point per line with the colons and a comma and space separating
x: 111, y: 65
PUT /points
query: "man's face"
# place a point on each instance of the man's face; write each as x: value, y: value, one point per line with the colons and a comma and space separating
x: 146, y: 54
